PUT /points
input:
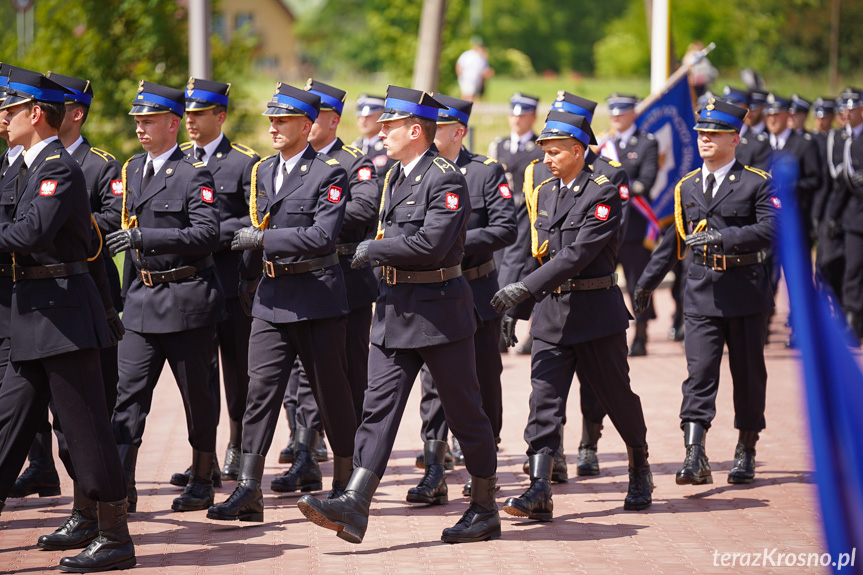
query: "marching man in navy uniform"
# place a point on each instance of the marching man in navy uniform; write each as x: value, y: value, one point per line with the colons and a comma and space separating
x: 725, y: 214
x: 298, y: 308
x: 230, y: 164
x: 424, y: 315
x: 170, y: 228
x: 491, y: 226
x: 362, y: 197
x: 58, y: 323
x: 369, y: 109
x: 580, y: 320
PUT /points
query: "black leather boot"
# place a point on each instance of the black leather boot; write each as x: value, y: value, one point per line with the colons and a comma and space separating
x: 321, y: 453
x: 343, y: 467
x: 588, y: 464
x: 305, y: 473
x: 696, y: 469
x: 79, y: 529
x: 111, y: 549
x: 458, y: 456
x: 287, y: 454
x: 246, y: 503
x: 465, y: 491
x: 481, y: 521
x: 559, y: 469
x: 231, y: 469
x: 639, y: 495
x: 448, y: 460
x: 432, y: 489
x: 199, y: 493
x: 347, y: 515
x: 182, y: 479
x: 639, y: 342
x: 40, y: 477
x: 536, y: 502
x: 743, y: 470
x: 129, y: 459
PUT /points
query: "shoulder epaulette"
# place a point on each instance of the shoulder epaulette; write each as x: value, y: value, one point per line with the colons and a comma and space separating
x: 103, y: 154
x: 601, y: 179
x: 186, y: 145
x: 489, y: 161
x: 244, y: 149
x: 761, y: 173
x: 614, y: 163
x: 199, y: 164
x: 52, y: 157
x: 690, y: 174
x: 352, y: 151
x: 443, y: 164
x: 332, y: 162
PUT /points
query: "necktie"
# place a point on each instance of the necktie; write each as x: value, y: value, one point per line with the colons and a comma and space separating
x: 708, y: 193
x: 399, y: 181
x: 4, y: 165
x: 149, y: 172
x: 22, y: 178
x: 200, y: 153
x: 560, y: 196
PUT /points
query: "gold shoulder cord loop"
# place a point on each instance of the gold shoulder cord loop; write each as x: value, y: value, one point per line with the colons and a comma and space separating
x: 253, y: 200
x: 531, y: 200
x: 98, y: 233
x: 380, y: 233
x: 125, y: 221
x: 678, y: 218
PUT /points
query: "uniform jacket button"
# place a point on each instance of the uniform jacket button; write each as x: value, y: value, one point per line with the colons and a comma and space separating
x: 389, y: 222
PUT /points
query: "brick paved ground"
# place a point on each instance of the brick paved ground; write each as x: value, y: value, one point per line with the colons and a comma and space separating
x: 591, y: 532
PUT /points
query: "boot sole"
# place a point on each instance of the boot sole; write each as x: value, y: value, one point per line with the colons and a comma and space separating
x: 493, y: 534
x: 177, y: 482
x: 545, y: 516
x: 124, y: 564
x: 586, y: 472
x: 64, y: 547
x: 286, y: 459
x: 192, y: 507
x: 44, y: 492
x: 437, y: 500
x: 342, y: 531
x: 639, y: 507
x: 252, y: 517
x: 319, y: 486
x: 740, y: 480
x: 694, y: 481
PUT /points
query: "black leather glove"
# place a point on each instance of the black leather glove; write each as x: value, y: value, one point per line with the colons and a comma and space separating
x: 250, y: 238
x: 123, y: 240
x: 509, y: 296
x: 115, y: 325
x: 361, y: 256
x: 507, y: 328
x: 641, y: 299
x: 703, y: 238
x: 247, y: 294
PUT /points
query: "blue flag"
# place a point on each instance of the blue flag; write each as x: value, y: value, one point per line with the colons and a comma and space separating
x: 671, y: 120
x: 834, y: 383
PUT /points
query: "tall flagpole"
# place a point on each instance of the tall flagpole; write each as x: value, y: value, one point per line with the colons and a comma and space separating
x: 659, y: 45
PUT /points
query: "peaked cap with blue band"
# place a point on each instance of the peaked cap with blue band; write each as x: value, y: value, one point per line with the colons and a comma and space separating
x: 521, y: 104
x: 456, y: 110
x: 331, y: 97
x: 560, y: 125
x: 720, y: 116
x: 81, y: 90
x: 800, y: 105
x: 290, y: 101
x: 776, y: 104
x: 5, y: 70
x: 405, y: 102
x: 206, y: 94
x: 368, y: 105
x: 735, y: 96
x: 574, y: 105
x: 850, y: 98
x: 27, y: 85
x: 757, y: 98
x: 620, y: 103
x: 155, y: 99
x: 823, y: 106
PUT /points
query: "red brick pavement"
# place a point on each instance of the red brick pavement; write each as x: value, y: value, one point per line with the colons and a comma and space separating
x: 591, y: 532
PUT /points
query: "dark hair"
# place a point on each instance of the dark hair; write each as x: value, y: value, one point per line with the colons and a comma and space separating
x: 218, y: 109
x: 54, y: 112
x: 429, y: 127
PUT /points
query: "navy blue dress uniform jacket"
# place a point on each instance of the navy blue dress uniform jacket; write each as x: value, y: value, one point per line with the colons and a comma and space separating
x: 361, y: 215
x: 809, y: 178
x: 378, y: 155
x: 583, y: 239
x: 744, y: 210
x: 754, y: 150
x: 640, y: 160
x: 424, y: 222
x: 51, y: 225
x: 491, y: 226
x: 178, y: 217
x: 104, y: 186
x: 7, y: 212
x: 305, y: 218
x: 231, y: 167
x: 852, y: 219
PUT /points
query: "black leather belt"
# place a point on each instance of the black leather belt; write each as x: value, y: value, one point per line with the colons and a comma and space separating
x: 49, y: 271
x: 479, y: 271
x: 273, y: 269
x: 586, y: 284
x: 6, y: 270
x: 346, y: 249
x: 395, y: 276
x: 151, y: 278
x: 721, y: 262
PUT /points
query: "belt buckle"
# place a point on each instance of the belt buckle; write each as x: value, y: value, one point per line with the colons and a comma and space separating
x: 557, y: 289
x: 269, y: 269
x: 717, y: 266
x: 390, y: 275
x: 147, y: 278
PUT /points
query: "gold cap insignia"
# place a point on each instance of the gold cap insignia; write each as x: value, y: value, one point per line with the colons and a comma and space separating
x: 710, y: 104
x: 308, y: 85
x: 278, y: 87
x: 228, y: 89
x: 140, y: 86
x: 559, y: 96
x: 190, y: 85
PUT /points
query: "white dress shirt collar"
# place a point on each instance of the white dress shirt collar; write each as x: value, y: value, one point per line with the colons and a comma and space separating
x: 31, y: 154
